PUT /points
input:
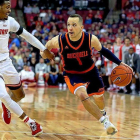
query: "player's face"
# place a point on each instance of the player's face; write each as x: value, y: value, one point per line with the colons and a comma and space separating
x: 74, y: 27
x: 5, y: 10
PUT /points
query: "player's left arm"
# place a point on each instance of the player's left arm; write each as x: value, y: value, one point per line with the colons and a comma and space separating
x: 107, y: 53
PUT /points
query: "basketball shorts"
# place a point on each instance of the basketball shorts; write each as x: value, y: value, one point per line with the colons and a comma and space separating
x: 91, y: 81
x: 9, y: 73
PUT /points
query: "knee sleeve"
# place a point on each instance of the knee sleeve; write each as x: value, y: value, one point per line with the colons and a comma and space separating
x: 6, y: 100
x: 11, y: 105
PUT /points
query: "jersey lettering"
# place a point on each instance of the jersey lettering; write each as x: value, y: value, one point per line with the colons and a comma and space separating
x: 3, y: 31
x: 77, y: 55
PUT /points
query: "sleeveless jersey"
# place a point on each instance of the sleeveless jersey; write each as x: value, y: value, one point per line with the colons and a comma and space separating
x: 77, y: 55
x: 6, y: 26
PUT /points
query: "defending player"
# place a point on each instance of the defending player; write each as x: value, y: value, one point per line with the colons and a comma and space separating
x: 8, y: 74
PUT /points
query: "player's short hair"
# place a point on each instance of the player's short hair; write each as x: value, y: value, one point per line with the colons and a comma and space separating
x: 2, y: 1
x: 77, y: 15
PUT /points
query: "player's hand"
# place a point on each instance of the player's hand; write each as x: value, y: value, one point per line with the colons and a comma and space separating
x: 47, y: 54
x: 127, y: 66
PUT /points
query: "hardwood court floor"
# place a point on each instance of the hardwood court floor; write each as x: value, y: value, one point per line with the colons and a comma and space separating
x: 63, y: 117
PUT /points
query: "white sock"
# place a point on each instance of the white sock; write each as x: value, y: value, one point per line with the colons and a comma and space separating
x: 103, y: 111
x: 28, y: 120
x: 111, y: 86
x: 102, y: 119
x: 114, y: 86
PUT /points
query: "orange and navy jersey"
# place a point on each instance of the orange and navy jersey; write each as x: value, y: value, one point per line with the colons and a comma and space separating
x: 76, y: 55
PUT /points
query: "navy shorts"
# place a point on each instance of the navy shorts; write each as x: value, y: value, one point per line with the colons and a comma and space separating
x: 91, y: 80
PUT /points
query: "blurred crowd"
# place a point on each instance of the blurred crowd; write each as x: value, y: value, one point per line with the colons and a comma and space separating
x: 122, y: 38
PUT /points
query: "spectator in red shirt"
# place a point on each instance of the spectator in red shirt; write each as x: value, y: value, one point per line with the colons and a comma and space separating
x: 39, y: 22
x: 130, y: 15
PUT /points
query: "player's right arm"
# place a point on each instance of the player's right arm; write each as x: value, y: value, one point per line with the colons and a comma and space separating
x: 53, y: 43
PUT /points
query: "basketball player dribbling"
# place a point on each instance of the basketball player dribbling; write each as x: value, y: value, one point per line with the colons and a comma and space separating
x: 81, y: 74
x: 8, y: 74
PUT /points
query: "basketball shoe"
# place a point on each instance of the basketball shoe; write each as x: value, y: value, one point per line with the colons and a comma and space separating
x: 110, y: 128
x: 35, y: 127
x: 6, y: 115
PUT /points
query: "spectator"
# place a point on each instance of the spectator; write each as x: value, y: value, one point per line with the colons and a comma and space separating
x: 50, y: 14
x: 15, y: 40
x: 46, y: 19
x: 102, y: 73
x: 127, y: 5
x: 39, y: 22
x: 28, y: 9
x: 41, y: 72
x: 116, y: 48
x: 17, y: 67
x: 20, y: 60
x: 35, y: 9
x: 42, y: 14
x: 61, y: 80
x: 88, y: 20
x: 53, y: 18
x: 53, y: 72
x: 71, y: 11
x: 131, y: 59
x: 90, y: 14
x: 27, y: 77
x: 18, y: 55
x: 123, y: 17
x: 137, y: 17
x: 130, y: 15
x: 124, y: 48
x: 134, y: 7
x: 58, y: 11
x: 33, y: 63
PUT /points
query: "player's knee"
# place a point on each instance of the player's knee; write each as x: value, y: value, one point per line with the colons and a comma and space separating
x: 6, y: 99
x: 21, y: 96
x: 81, y: 93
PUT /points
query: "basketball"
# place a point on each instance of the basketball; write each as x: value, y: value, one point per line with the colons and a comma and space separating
x: 121, y: 75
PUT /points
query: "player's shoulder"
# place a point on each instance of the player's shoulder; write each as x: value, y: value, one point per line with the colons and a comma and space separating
x: 63, y: 35
x: 86, y: 33
x: 10, y: 18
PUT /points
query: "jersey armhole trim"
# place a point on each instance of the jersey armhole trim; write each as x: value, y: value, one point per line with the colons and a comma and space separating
x: 61, y: 44
x: 20, y: 30
x: 90, y: 44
